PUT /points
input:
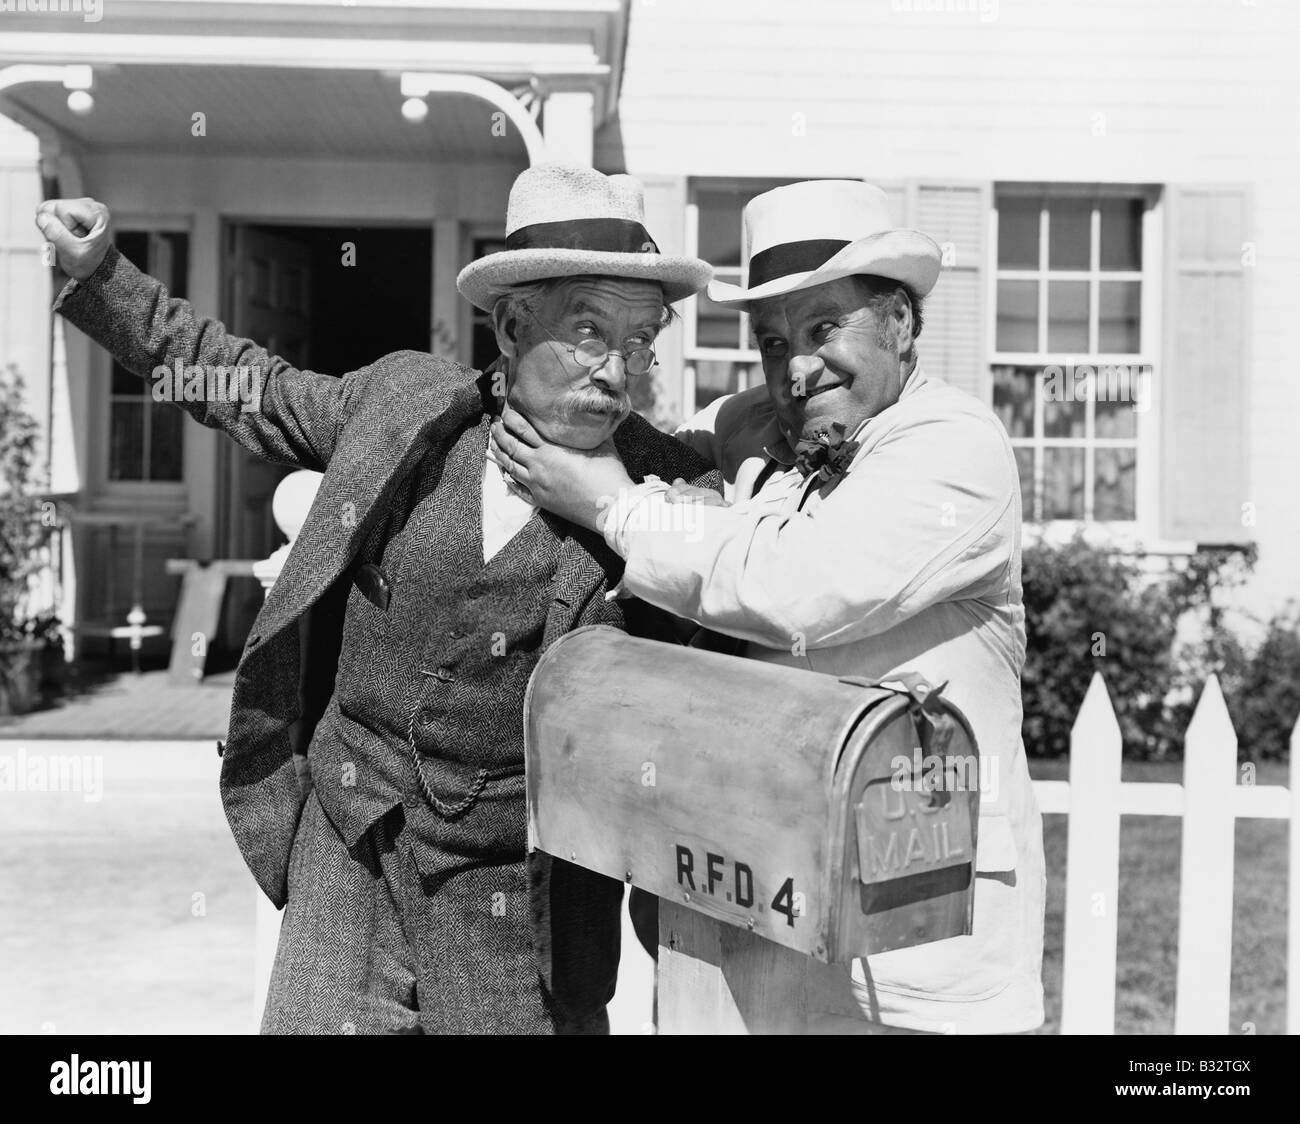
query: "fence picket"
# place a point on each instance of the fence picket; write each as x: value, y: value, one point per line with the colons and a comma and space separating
x: 1293, y: 894
x: 1205, y: 889
x: 1092, y: 867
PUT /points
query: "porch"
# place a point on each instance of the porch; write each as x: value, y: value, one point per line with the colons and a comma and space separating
x: 313, y: 175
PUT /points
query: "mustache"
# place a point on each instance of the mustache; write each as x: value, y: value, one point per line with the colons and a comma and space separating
x: 595, y: 400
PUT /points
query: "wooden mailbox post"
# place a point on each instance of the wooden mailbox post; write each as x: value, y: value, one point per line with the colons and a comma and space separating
x: 781, y: 816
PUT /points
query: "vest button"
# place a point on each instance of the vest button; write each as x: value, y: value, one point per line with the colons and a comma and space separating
x: 475, y: 592
x: 457, y: 634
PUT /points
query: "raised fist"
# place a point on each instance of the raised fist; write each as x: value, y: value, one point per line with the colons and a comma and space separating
x: 79, y: 232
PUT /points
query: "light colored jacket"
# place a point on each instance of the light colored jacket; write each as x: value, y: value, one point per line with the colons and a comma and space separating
x: 912, y: 563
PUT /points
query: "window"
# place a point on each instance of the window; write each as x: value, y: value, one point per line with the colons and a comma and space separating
x: 1071, y: 364
x: 146, y: 438
x: 719, y: 357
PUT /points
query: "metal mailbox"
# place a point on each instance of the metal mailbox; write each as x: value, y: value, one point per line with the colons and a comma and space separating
x: 836, y: 817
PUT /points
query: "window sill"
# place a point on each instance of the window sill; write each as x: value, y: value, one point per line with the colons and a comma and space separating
x: 1127, y: 537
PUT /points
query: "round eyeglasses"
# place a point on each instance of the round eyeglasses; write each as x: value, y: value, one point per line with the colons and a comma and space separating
x: 594, y: 352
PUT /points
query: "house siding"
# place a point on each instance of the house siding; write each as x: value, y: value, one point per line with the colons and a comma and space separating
x: 1116, y: 91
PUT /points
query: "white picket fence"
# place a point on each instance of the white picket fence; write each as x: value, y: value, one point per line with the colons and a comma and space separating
x: 1209, y: 800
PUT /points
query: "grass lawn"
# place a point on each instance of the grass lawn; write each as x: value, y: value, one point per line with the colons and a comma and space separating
x: 1148, y: 913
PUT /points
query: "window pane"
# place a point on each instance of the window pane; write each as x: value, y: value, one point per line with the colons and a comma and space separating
x: 1018, y: 223
x: 721, y: 223
x: 1013, y: 399
x: 716, y: 325
x: 165, y: 442
x: 1119, y: 308
x: 1028, y: 496
x: 134, y: 246
x: 1114, y: 489
x: 713, y: 380
x: 1069, y: 233
x: 1067, y: 316
x: 1017, y: 316
x: 1121, y: 392
x: 483, y: 344
x: 126, y: 440
x: 124, y: 382
x: 1062, y: 483
x: 1121, y: 233
x: 1063, y: 416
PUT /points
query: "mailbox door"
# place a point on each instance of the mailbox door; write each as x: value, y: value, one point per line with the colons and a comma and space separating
x: 908, y: 817
x: 701, y: 778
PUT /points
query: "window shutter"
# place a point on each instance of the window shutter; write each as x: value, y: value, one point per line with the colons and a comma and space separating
x: 1203, y: 386
x: 952, y: 339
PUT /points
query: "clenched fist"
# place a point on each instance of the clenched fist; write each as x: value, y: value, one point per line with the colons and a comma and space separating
x: 79, y: 232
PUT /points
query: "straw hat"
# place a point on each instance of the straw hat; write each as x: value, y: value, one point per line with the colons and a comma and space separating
x: 567, y: 221
x: 809, y: 233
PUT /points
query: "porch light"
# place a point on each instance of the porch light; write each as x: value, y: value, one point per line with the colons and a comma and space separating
x: 80, y: 102
x: 414, y: 110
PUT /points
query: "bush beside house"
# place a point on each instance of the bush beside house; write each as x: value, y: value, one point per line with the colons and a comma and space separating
x: 30, y: 642
x: 1092, y: 608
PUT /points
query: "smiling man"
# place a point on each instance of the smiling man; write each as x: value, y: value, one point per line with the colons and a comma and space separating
x: 882, y: 536
x: 373, y: 776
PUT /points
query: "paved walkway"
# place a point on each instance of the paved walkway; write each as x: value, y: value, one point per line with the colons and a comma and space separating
x: 124, y: 904
x: 125, y: 907
x: 146, y: 706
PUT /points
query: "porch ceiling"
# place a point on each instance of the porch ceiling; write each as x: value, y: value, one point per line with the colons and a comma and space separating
x: 268, y: 111
x: 308, y: 77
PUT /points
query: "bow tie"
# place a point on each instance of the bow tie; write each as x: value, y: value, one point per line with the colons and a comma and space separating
x: 828, y: 458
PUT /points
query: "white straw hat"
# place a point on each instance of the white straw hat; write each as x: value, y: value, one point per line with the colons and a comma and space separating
x: 567, y: 221
x: 808, y: 233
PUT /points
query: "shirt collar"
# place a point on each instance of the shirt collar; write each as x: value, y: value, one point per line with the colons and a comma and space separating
x: 779, y: 448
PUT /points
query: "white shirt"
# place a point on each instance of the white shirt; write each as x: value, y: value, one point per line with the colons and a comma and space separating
x: 505, y: 509
x: 912, y: 563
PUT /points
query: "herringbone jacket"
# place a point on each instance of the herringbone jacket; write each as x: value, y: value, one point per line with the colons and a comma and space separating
x: 364, y: 432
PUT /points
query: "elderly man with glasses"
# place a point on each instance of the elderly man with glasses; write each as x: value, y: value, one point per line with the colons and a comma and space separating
x: 373, y: 777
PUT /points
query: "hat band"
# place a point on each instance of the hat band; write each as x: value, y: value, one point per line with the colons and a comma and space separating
x: 610, y: 236
x: 792, y: 257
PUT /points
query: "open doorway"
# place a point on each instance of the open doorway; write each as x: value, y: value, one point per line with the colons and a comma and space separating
x: 331, y: 299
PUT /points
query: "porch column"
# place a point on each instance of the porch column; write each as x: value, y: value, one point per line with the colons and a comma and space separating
x: 445, y: 317
x: 568, y: 124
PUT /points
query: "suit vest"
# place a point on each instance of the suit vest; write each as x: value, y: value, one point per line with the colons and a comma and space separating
x: 428, y: 700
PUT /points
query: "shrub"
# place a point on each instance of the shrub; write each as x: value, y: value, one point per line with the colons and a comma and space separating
x: 1089, y: 608
x: 1267, y: 704
x: 23, y: 537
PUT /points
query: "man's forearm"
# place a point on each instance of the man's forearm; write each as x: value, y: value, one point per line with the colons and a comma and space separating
x: 223, y: 381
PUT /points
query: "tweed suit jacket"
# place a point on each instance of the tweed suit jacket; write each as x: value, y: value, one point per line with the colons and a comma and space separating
x: 364, y: 431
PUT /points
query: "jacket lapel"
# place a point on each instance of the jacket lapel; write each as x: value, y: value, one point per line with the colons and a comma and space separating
x: 585, y: 565
x: 391, y: 428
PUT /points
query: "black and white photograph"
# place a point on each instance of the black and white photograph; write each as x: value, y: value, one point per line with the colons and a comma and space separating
x: 650, y: 518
